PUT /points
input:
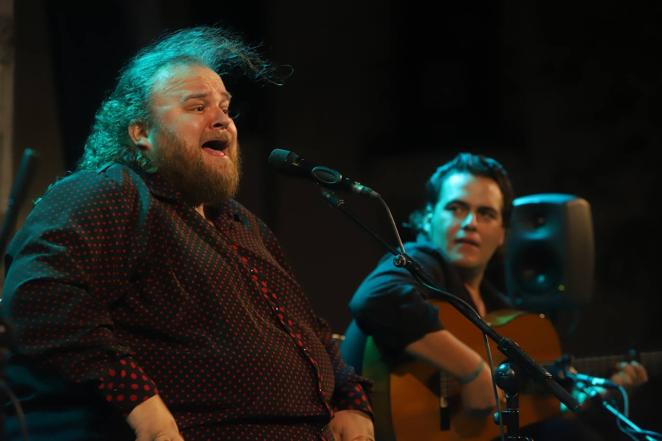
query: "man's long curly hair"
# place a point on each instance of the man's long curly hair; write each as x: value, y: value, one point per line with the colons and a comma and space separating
x: 129, y: 102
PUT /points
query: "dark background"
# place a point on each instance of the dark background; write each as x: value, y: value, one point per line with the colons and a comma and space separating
x: 568, y: 98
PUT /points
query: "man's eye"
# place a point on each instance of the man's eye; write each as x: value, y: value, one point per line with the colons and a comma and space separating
x: 488, y: 215
x: 198, y: 108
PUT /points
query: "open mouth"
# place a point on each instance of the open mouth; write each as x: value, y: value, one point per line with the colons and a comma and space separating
x: 216, y: 147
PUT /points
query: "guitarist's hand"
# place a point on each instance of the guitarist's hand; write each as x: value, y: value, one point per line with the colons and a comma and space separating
x: 352, y: 425
x: 478, y: 395
x: 630, y: 374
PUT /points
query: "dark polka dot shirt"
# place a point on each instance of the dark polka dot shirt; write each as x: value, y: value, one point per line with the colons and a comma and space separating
x: 117, y: 290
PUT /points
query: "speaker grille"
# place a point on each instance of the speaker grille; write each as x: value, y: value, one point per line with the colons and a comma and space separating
x: 550, y: 252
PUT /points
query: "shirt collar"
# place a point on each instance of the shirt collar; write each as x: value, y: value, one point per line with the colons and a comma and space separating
x: 161, y: 188
x: 226, y: 212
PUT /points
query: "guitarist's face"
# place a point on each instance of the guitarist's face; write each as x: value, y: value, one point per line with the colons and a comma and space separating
x: 466, y: 224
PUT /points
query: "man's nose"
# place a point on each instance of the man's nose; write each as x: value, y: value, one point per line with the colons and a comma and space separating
x: 221, y: 119
x: 469, y: 220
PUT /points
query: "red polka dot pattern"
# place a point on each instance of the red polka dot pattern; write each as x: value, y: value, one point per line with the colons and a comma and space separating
x: 126, y: 385
x: 114, y: 280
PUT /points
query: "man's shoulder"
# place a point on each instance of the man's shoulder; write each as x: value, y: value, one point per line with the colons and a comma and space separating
x: 421, y: 246
x: 112, y: 179
x: 117, y: 171
x: 112, y: 174
x: 424, y: 249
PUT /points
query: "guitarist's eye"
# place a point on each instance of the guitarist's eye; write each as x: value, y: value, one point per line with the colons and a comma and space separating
x: 456, y: 209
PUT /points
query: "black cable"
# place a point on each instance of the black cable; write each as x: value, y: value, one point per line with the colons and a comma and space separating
x: 22, y: 423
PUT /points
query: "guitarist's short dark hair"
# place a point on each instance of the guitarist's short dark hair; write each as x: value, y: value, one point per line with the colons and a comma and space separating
x: 477, y: 165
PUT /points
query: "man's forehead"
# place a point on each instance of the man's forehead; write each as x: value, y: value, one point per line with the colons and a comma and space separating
x: 184, y: 79
x: 462, y: 185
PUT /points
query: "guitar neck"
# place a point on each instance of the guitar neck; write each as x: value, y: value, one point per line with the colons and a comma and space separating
x: 602, y: 366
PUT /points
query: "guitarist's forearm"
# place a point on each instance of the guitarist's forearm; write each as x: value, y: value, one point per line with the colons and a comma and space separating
x: 445, y: 351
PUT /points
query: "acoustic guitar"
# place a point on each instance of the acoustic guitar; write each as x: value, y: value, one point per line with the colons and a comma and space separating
x: 413, y: 401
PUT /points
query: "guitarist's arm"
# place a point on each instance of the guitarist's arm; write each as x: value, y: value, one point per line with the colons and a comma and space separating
x: 445, y: 351
x: 390, y: 307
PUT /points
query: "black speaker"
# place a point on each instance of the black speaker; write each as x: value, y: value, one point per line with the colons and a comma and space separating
x: 550, y: 253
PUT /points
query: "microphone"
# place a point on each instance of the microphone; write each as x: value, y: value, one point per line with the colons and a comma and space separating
x: 292, y: 164
x: 590, y: 380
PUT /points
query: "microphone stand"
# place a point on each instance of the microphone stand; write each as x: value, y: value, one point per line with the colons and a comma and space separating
x: 16, y: 196
x: 518, y: 363
x: 591, y: 389
x: 17, y: 193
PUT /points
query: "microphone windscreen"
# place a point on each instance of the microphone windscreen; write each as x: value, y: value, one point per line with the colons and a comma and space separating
x: 289, y: 163
x: 281, y: 159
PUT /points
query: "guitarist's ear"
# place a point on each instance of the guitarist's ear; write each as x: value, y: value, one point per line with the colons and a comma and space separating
x: 426, y: 222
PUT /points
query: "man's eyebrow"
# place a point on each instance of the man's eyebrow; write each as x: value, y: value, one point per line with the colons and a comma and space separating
x: 465, y: 204
x: 457, y: 201
x: 203, y: 95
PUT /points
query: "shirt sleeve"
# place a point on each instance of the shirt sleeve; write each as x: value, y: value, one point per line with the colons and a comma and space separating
x: 351, y: 390
x: 390, y: 305
x: 66, y: 267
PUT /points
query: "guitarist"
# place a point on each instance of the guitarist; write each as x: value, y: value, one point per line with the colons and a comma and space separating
x: 462, y: 226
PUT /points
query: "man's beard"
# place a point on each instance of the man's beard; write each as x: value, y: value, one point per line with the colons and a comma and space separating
x: 199, y: 182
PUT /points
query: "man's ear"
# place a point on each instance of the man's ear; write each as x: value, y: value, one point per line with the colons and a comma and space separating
x: 426, y: 224
x: 139, y: 135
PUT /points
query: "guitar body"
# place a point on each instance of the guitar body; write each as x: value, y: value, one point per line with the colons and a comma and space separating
x: 407, y: 396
